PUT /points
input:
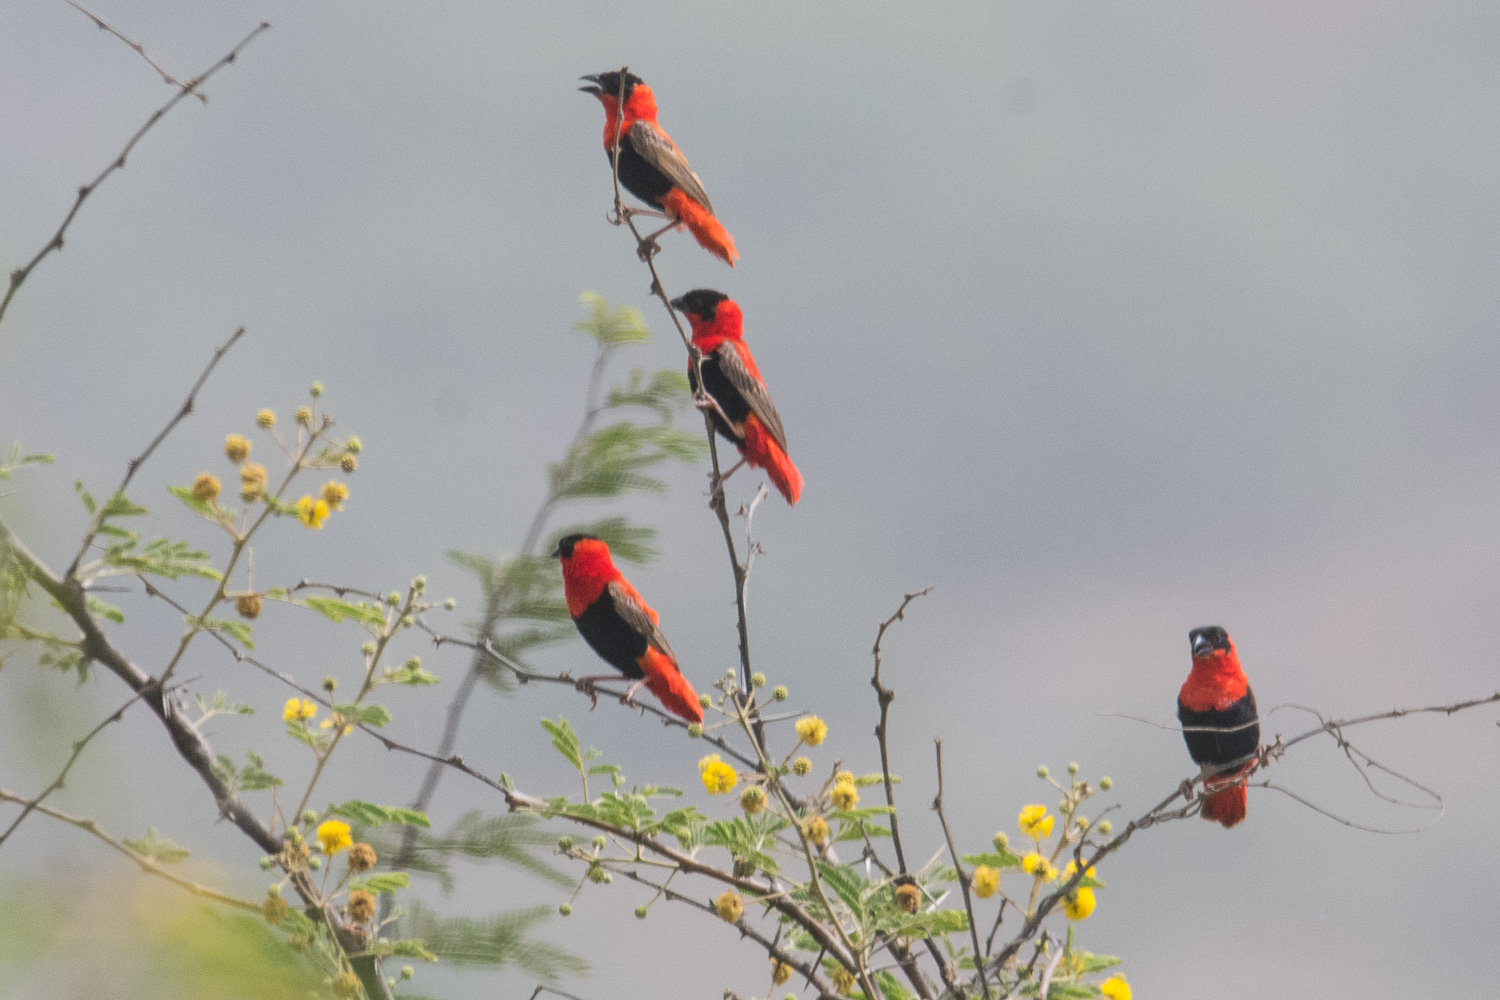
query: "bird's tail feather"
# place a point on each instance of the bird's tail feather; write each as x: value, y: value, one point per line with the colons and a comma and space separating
x: 706, y: 229
x: 1226, y: 806
x: 762, y: 452
x: 670, y: 687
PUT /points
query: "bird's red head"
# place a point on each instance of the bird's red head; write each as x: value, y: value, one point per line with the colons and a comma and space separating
x: 1216, y: 673
x: 607, y: 87
x: 715, y: 317
x: 586, y: 567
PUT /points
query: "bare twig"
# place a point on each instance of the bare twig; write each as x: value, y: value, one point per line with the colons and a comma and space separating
x: 18, y: 277
x: 146, y: 864
x: 958, y: 866
x: 139, y: 49
x: 135, y: 463
x: 886, y: 696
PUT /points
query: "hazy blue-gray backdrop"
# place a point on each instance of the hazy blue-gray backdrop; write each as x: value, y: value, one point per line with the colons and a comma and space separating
x: 1108, y: 320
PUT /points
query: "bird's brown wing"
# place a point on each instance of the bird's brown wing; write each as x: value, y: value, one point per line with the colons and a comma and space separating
x: 749, y: 385
x: 633, y: 611
x: 656, y: 149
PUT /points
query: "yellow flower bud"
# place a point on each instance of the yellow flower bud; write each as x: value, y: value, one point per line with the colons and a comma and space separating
x: 266, y: 418
x: 206, y: 487
x: 729, y: 906
x: 236, y: 447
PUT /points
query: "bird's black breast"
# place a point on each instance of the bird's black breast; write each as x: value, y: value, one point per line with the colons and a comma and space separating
x: 639, y: 177
x: 611, y: 636
x: 1215, y: 737
x: 717, y: 385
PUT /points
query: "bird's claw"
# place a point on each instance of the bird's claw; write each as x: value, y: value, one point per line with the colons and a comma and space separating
x: 587, y: 687
x: 1186, y: 790
x: 647, y: 249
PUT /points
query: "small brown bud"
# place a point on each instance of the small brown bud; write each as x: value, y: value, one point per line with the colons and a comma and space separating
x: 361, y: 857
x: 348, y: 463
x: 248, y: 605
x: 361, y: 906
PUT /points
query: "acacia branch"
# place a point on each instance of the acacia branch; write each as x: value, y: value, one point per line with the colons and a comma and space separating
x: 62, y: 775
x: 194, y: 748
x: 146, y: 864
x: 140, y: 50
x: 18, y: 277
x: 958, y: 865
x: 135, y: 463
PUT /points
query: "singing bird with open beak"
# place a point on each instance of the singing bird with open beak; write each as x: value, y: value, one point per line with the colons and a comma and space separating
x: 651, y: 166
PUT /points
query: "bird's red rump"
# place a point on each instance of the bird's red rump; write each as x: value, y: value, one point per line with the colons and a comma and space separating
x: 1228, y: 807
x: 670, y: 687
x: 762, y: 452
x: 707, y: 230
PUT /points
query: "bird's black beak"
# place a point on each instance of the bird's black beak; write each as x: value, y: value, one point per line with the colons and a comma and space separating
x: 557, y: 552
x: 677, y: 304
x: 596, y: 90
x: 1201, y: 645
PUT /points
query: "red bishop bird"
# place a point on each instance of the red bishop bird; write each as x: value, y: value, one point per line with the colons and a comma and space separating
x: 1217, y: 710
x: 732, y: 379
x: 616, y: 621
x: 652, y: 167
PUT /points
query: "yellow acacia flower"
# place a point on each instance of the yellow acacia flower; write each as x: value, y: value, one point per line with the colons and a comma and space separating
x: 206, y: 487
x: 802, y: 766
x: 812, y: 730
x: 1072, y: 866
x: 266, y: 418
x: 1034, y: 822
x: 339, y: 720
x: 729, y: 906
x: 1116, y: 988
x: 335, y: 493
x: 780, y: 972
x: 298, y: 710
x: 843, y: 980
x: 986, y: 881
x: 333, y: 834
x: 817, y: 830
x: 312, y: 513
x: 845, y: 795
x: 253, y: 472
x: 718, y: 777
x: 1035, y: 864
x: 1079, y: 904
x: 236, y: 447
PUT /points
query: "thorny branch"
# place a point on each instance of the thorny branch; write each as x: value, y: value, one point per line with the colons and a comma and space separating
x: 135, y: 463
x: 958, y: 865
x: 140, y: 50
x: 646, y: 250
x: 18, y: 277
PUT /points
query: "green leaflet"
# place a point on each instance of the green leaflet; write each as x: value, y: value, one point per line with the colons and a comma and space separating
x: 157, y: 848
x: 369, y: 814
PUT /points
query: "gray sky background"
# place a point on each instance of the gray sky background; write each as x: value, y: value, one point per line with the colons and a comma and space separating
x: 1107, y: 320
